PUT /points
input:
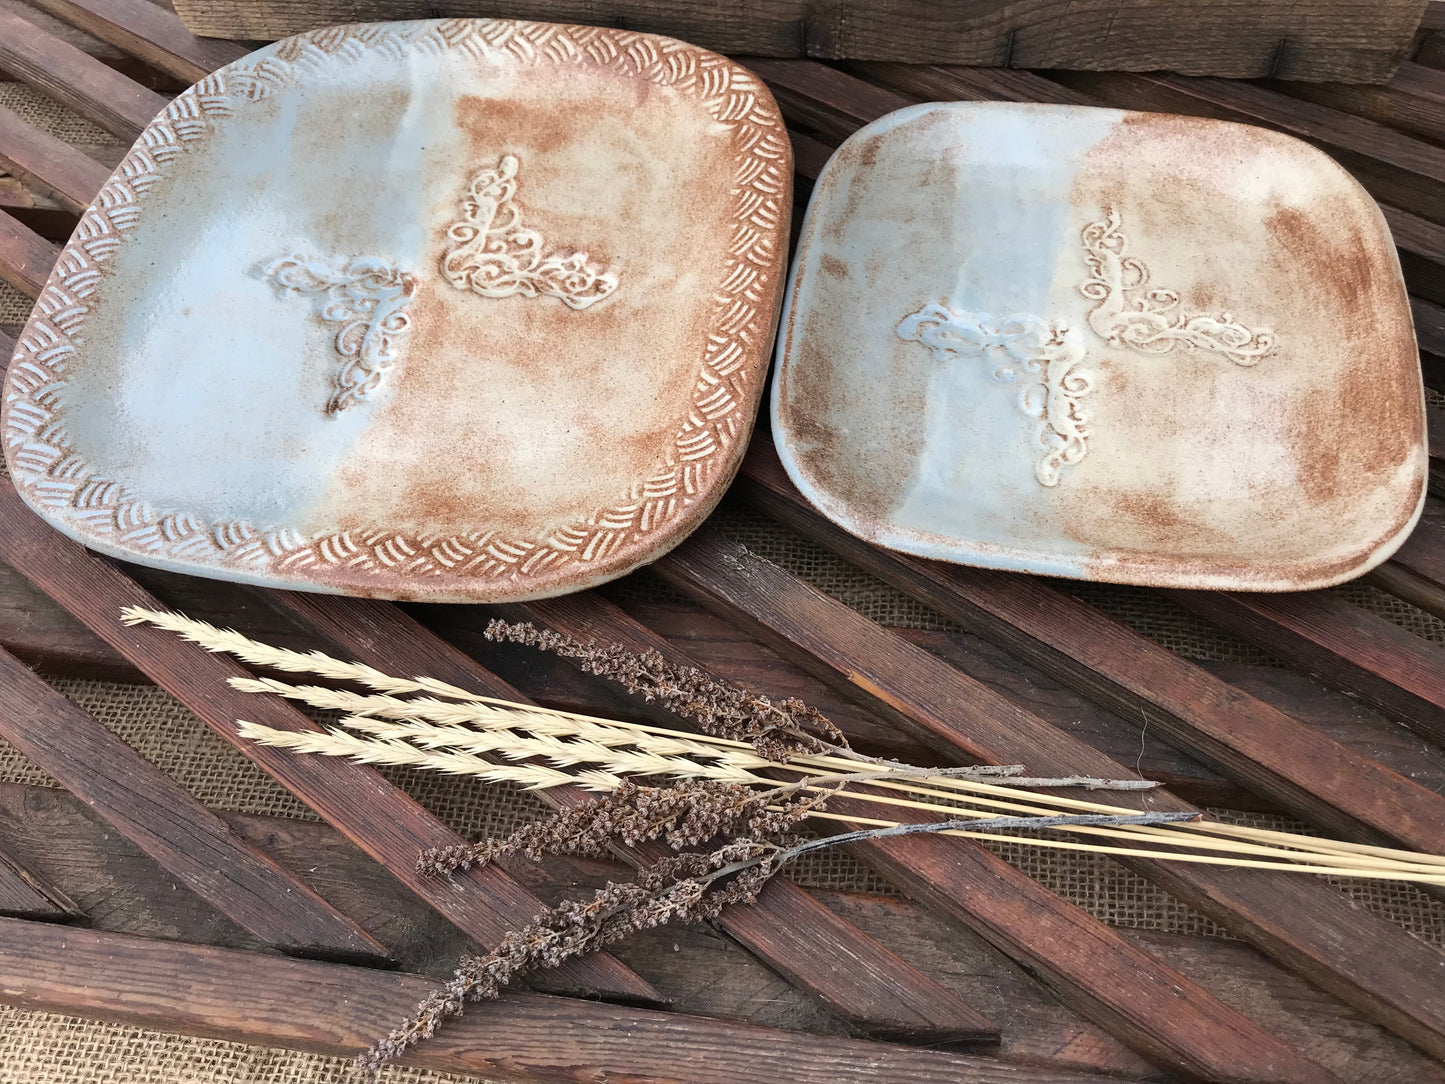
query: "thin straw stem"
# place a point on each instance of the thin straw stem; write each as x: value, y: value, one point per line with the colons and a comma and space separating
x: 1198, y: 859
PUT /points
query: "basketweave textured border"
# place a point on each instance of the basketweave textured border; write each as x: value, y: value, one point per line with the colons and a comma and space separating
x: 55, y: 478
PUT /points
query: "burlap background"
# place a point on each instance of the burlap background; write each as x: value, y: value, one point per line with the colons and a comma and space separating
x: 44, y: 1048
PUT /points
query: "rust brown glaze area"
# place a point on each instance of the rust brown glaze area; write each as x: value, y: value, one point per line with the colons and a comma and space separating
x: 520, y: 446
x: 1243, y: 406
x: 1303, y: 469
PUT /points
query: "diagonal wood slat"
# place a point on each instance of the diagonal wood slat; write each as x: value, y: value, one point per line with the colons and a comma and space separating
x: 78, y: 81
x: 23, y: 895
x: 154, y: 812
x: 46, y: 162
x: 1369, y: 963
x: 147, y: 32
x: 1345, y: 646
x: 25, y: 257
x: 799, y: 937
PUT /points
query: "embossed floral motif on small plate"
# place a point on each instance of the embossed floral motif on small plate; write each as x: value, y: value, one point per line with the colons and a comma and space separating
x: 1106, y: 345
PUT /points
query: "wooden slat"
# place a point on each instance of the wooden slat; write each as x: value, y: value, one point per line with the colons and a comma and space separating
x: 61, y: 71
x: 148, y: 32
x: 815, y: 949
x: 1096, y: 971
x: 336, y: 1009
x: 1301, y: 922
x: 1241, y: 737
x: 23, y: 895
x: 1409, y: 587
x: 42, y: 160
x: 25, y: 256
x: 1424, y: 551
x: 149, y: 808
x: 936, y: 83
x: 1311, y: 39
x: 1344, y: 645
x: 378, y: 817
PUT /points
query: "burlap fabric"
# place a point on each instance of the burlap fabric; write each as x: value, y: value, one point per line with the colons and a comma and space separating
x: 44, y: 1048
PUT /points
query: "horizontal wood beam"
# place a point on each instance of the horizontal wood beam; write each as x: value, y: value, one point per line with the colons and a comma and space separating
x: 334, y: 1009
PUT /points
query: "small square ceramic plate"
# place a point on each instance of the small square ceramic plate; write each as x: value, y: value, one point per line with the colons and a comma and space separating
x: 462, y: 310
x: 1114, y: 346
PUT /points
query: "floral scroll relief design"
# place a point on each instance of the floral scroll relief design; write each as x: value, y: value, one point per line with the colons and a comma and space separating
x: 1128, y: 313
x: 492, y: 255
x: 368, y: 298
x: 1022, y: 347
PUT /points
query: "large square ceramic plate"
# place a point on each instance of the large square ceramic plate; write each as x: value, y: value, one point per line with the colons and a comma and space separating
x: 437, y: 310
x: 1115, y: 346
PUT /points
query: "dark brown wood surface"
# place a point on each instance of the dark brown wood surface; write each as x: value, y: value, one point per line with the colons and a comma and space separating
x: 1344, y: 645
x: 24, y: 895
x: 99, y: 93
x: 1388, y: 136
x: 308, y: 1005
x: 1312, y: 39
x: 146, y: 806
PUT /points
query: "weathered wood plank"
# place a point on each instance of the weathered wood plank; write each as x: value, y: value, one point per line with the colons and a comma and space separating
x: 148, y: 32
x: 336, y: 1009
x: 1098, y: 973
x: 25, y: 258
x: 49, y: 163
x: 381, y: 819
x: 1300, y: 922
x: 23, y: 895
x: 149, y: 808
x: 61, y: 71
x: 787, y: 928
x: 1344, y: 645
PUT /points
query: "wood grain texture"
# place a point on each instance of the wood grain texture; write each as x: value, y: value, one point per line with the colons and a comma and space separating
x: 25, y: 258
x: 148, y: 32
x: 1342, y: 644
x: 49, y: 163
x: 80, y: 82
x: 815, y: 949
x: 378, y: 817
x: 1301, y: 922
x: 1250, y: 741
x: 335, y: 1009
x: 24, y: 895
x: 149, y: 808
x: 1306, y: 40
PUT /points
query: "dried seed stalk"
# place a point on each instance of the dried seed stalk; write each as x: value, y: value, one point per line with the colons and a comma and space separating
x: 779, y: 730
